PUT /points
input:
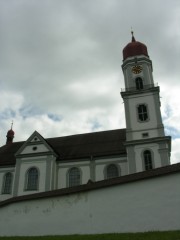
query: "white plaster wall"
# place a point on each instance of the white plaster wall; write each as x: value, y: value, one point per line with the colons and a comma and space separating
x: 85, y: 174
x: 124, y: 168
x: 100, y: 166
x: 40, y: 148
x: 147, y: 99
x: 5, y: 196
x: 146, y: 74
x: 152, y: 134
x: 99, y: 172
x: 146, y: 205
x: 63, y: 169
x: 132, y: 77
x: 61, y: 180
x: 24, y: 166
x: 35, y: 139
x: 138, y: 156
x: 51, y: 172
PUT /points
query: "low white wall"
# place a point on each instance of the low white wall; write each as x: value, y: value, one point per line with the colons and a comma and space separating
x: 146, y: 205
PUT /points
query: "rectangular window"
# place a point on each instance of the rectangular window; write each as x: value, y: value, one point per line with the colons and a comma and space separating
x: 139, y: 83
x: 142, y: 112
x: 7, y: 183
x: 32, y: 179
x: 144, y: 135
x: 74, y: 177
x: 148, y: 160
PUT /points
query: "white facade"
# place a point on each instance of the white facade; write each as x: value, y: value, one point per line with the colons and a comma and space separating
x: 100, y: 166
x: 53, y: 174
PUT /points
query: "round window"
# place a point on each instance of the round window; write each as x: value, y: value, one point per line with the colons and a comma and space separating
x: 34, y: 148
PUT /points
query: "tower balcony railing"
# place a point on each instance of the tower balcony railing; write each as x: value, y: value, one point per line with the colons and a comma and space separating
x: 139, y: 88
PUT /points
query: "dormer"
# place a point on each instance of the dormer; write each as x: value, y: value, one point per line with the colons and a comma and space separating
x: 36, y: 162
x: 36, y: 145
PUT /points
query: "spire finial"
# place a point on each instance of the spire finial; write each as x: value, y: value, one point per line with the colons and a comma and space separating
x: 11, y: 124
x: 133, y: 38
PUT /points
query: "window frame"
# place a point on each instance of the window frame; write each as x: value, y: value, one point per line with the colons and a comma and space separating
x: 145, y: 134
x: 139, y: 83
x: 151, y: 161
x: 69, y: 180
x: 106, y: 170
x: 6, y: 184
x: 138, y: 113
x: 27, y: 188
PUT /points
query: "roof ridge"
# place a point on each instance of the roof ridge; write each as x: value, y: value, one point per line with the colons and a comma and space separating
x: 122, y: 129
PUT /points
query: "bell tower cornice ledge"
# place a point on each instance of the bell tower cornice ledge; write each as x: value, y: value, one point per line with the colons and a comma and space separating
x: 136, y: 60
x: 133, y: 91
x: 146, y: 141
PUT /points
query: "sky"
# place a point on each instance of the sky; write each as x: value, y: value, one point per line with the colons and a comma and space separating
x: 60, y: 64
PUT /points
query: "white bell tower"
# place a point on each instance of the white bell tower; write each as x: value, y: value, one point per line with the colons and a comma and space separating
x: 146, y: 144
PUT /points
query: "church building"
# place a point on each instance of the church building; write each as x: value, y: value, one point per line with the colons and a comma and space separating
x: 39, y: 165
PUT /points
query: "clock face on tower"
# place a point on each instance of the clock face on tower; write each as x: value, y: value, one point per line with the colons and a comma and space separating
x: 136, y: 69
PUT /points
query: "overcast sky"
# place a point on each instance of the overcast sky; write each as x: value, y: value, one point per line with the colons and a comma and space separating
x: 60, y: 64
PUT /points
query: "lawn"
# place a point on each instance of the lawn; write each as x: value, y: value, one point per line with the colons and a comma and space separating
x: 171, y: 235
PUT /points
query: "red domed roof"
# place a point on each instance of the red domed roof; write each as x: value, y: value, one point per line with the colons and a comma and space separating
x: 134, y: 48
x: 10, y: 136
x: 10, y: 133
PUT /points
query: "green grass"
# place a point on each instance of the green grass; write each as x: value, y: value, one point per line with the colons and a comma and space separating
x: 170, y: 235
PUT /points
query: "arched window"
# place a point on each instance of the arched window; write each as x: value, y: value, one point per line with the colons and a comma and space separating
x: 32, y: 179
x: 74, y: 177
x: 7, y: 183
x: 139, y: 83
x: 142, y: 112
x: 112, y: 171
x: 148, y: 160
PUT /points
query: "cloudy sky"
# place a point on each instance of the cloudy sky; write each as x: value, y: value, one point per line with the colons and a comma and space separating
x: 60, y: 64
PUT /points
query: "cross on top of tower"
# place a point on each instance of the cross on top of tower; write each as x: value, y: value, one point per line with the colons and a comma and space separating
x: 133, y: 38
x: 11, y: 124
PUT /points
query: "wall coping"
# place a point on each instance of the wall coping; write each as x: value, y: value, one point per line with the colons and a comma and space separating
x: 154, y: 173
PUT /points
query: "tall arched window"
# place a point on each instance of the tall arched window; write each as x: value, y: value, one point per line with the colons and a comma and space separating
x: 139, y: 83
x: 148, y: 160
x: 7, y: 183
x: 32, y: 179
x: 74, y: 177
x: 142, y: 112
x: 112, y: 171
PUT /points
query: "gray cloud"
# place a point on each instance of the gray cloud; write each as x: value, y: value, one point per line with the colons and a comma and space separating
x: 64, y: 58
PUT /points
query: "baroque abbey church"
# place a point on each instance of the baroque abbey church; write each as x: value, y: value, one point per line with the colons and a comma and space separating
x: 41, y: 165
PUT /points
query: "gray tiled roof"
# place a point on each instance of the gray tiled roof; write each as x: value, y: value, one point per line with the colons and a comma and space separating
x: 75, y: 146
